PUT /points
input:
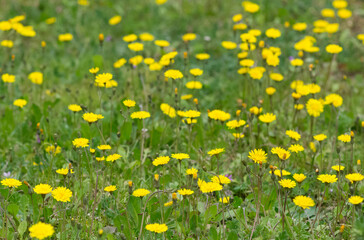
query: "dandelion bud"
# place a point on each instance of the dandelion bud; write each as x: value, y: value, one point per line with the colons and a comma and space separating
x: 165, y: 79
x: 362, y: 123
x: 176, y: 91
x: 101, y: 231
x: 352, y: 134
x: 238, y: 113
x: 286, y: 24
x: 38, y: 124
x: 194, y: 175
x: 300, y: 53
x: 284, y: 157
x: 345, y: 77
x: 185, y: 54
x: 244, y: 105
x: 358, y: 162
x: 273, y: 177
x: 26, y: 183
x: 271, y: 168
x: 130, y: 183
x: 92, y: 150
x: 43, y: 43
x: 296, y: 95
x: 310, y: 67
x: 12, y: 57
x: 174, y: 196
x: 156, y: 177
x: 195, y: 100
x: 101, y: 38
x: 261, y: 44
x: 342, y: 227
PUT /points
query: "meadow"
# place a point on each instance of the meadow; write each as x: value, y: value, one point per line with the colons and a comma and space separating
x: 181, y: 119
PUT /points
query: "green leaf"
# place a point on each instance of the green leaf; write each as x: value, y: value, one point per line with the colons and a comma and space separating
x: 22, y: 228
x: 233, y: 236
x: 134, y: 209
x: 13, y: 209
x: 213, y: 233
x: 210, y: 213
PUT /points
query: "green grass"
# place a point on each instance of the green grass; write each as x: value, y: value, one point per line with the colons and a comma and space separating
x: 67, y: 80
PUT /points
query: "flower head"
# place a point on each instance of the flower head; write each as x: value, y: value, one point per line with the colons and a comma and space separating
x: 104, y: 147
x: 129, y: 103
x: 41, y: 230
x: 221, y: 179
x: 20, y: 103
x: 215, y: 151
x: 63, y: 171
x: 225, y: 200
x: 168, y: 110
x: 354, y: 177
x: 141, y: 192
x: 94, y: 70
x: 162, y: 160
x: 36, y: 77
x: 327, y: 178
x: 293, y: 134
x: 355, y: 200
x: 42, y: 189
x: 8, y: 78
x: 287, y: 183
x: 80, y: 142
x: 299, y: 177
x: 140, y: 115
x: 191, y: 171
x: 320, y: 137
x: 267, y: 118
x: 92, y: 117
x: 157, y: 228
x: 174, y: 74
x: 333, y: 48
x: 273, y: 33
x: 180, y: 156
x: 314, y: 107
x: 11, y: 182
x: 110, y: 188
x: 74, y: 107
x: 335, y: 99
x: 113, y: 157
x: 235, y: 124
x: 296, y: 148
x: 208, y: 187
x: 115, y: 20
x: 219, y: 115
x: 338, y: 168
x: 344, y: 138
x: 66, y: 37
x: 258, y: 156
x: 62, y: 194
x: 185, y: 191
x: 304, y: 202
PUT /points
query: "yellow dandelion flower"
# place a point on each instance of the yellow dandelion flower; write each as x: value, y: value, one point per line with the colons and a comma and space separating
x: 162, y: 160
x: 41, y: 230
x: 62, y: 194
x: 141, y: 192
x: 304, y: 202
